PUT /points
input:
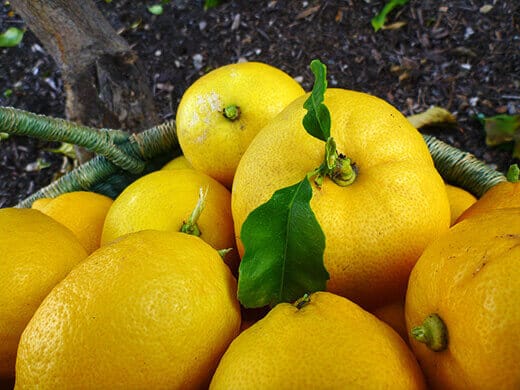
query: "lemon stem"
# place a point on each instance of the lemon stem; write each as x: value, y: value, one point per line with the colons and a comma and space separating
x: 337, y: 167
x: 432, y: 332
x: 190, y: 226
x: 301, y: 302
x: 232, y: 112
x: 224, y: 252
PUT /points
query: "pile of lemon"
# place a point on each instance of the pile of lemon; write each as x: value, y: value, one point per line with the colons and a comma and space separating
x: 141, y: 291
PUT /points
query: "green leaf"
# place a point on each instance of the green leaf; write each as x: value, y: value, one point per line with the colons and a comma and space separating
x: 8, y: 92
x: 11, y: 37
x: 378, y: 21
x: 64, y: 149
x: 284, y: 247
x: 501, y: 129
x: 156, y: 9
x: 317, y: 119
x: 513, y: 173
x: 211, y: 4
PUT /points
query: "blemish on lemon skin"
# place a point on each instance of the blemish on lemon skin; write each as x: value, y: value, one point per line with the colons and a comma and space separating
x: 206, y: 104
x: 479, y: 268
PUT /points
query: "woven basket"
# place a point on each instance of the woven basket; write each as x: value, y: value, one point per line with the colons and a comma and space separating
x: 122, y: 157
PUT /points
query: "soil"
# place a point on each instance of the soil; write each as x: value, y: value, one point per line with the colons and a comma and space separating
x: 460, y: 55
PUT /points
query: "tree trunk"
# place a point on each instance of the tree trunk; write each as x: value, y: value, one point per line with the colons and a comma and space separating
x: 102, y: 75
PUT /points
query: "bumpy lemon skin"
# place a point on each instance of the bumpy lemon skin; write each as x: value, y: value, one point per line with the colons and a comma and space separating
x: 376, y: 228
x: 213, y: 143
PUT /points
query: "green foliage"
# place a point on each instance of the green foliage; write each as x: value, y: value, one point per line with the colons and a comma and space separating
x: 513, y: 174
x: 317, y: 119
x: 211, y: 3
x: 64, y: 149
x: 156, y: 9
x: 11, y: 37
x: 502, y: 129
x: 378, y: 21
x: 284, y: 247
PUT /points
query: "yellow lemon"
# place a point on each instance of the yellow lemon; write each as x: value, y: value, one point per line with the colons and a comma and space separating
x: 221, y: 112
x: 179, y: 162
x: 503, y: 195
x: 460, y: 201
x: 377, y: 227
x: 164, y: 200
x: 36, y: 252
x: 82, y: 212
x: 39, y: 204
x: 393, y: 315
x: 463, y: 303
x: 153, y: 310
x: 327, y: 343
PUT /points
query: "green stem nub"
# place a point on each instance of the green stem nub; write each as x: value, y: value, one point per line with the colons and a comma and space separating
x: 336, y: 166
x: 432, y: 332
x: 190, y: 226
x: 232, y: 112
x: 301, y: 302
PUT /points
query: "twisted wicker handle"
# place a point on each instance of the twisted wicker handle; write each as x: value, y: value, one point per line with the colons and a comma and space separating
x: 103, y: 142
x: 118, y: 152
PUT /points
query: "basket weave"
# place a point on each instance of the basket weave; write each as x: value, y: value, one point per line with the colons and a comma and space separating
x: 123, y: 157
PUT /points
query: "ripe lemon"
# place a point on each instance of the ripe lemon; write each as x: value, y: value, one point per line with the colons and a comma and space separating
x: 179, y: 162
x: 376, y: 228
x: 82, y: 212
x: 221, y: 112
x: 164, y: 200
x: 39, y: 204
x: 393, y: 315
x: 329, y: 343
x: 470, y: 278
x: 501, y: 196
x: 152, y: 310
x: 36, y: 252
x: 460, y: 200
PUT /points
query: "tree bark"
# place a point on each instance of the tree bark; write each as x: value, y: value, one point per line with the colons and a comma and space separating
x: 102, y: 75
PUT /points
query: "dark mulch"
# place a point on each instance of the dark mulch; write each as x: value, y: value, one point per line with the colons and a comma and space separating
x: 448, y: 53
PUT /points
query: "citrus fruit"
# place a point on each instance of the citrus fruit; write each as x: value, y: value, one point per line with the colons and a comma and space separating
x: 377, y: 227
x: 221, y: 112
x: 179, y: 162
x: 393, y: 314
x: 151, y: 310
x: 460, y: 200
x: 467, y: 285
x: 39, y: 204
x: 36, y: 253
x: 165, y: 199
x: 82, y: 212
x: 501, y: 196
x: 327, y: 343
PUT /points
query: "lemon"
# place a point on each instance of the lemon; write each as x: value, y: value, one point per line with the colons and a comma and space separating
x: 393, y: 315
x: 503, y: 195
x: 470, y: 280
x: 179, y: 162
x: 460, y: 201
x: 36, y: 252
x: 165, y: 199
x: 82, y: 212
x: 221, y: 112
x: 328, y: 343
x: 377, y: 227
x: 152, y: 310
